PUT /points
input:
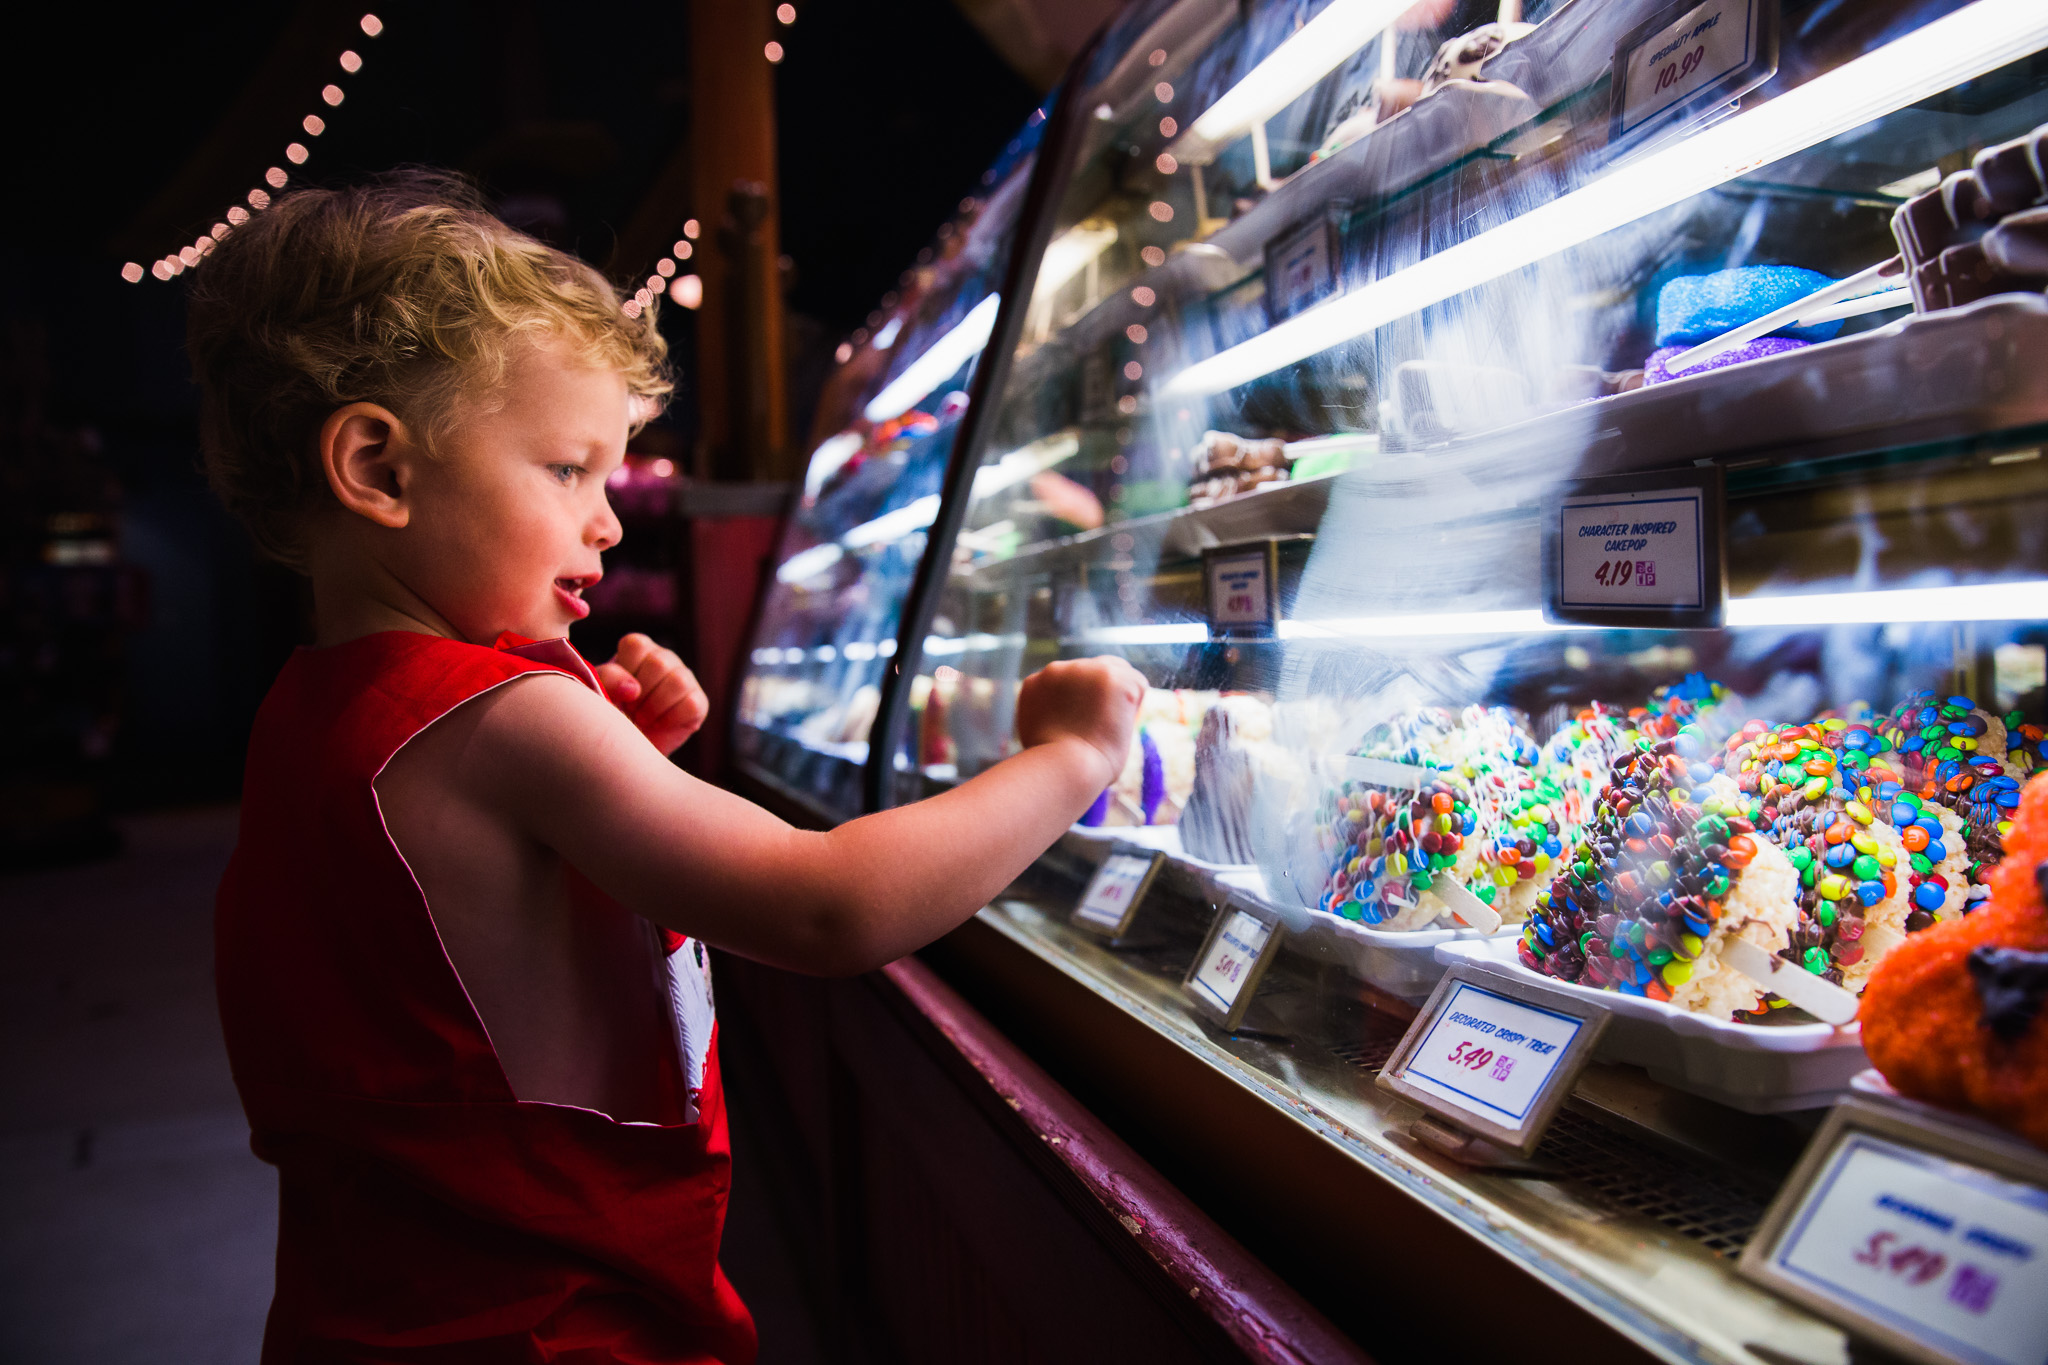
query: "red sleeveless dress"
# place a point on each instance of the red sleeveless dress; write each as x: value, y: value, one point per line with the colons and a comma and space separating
x: 426, y: 1214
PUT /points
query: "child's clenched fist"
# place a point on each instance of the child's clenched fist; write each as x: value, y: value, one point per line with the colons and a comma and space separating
x: 1095, y: 700
x: 655, y: 691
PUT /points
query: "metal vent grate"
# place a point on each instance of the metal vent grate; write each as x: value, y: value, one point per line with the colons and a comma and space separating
x: 1689, y: 1198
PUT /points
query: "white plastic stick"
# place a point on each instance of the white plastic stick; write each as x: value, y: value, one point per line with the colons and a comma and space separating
x: 1817, y: 995
x: 1853, y: 308
x: 1792, y: 313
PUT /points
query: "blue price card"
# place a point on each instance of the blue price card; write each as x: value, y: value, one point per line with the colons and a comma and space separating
x: 1110, y: 902
x: 1924, y: 1235
x: 1234, y: 957
x: 1494, y: 1057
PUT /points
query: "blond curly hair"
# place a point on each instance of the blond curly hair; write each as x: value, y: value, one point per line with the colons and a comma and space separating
x: 402, y: 291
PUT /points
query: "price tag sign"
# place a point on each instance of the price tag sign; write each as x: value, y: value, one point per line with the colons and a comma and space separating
x: 1691, y: 57
x: 1494, y: 1058
x: 1302, y: 263
x: 1243, y: 589
x: 1638, y: 550
x: 1110, y: 903
x: 1926, y: 1237
x: 1240, y: 946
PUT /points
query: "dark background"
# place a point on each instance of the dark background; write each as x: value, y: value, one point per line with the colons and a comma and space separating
x: 131, y: 682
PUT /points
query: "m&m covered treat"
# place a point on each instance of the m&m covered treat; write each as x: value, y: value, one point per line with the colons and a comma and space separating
x: 1956, y: 1016
x: 1826, y: 793
x: 1388, y: 848
x: 1956, y: 754
x: 1668, y: 870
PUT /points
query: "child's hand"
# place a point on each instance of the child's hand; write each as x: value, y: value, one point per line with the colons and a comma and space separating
x: 1090, y: 699
x: 655, y: 691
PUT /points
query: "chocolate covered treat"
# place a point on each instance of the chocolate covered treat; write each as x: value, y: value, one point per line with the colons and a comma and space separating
x: 1236, y: 732
x: 1975, y: 234
x: 1658, y: 884
x: 1958, y: 1016
x: 1227, y: 466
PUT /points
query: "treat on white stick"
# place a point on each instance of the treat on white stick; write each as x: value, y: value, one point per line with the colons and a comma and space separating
x: 1818, y: 996
x: 1793, y: 313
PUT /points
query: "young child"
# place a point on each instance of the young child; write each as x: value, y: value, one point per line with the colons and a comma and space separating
x: 460, y: 944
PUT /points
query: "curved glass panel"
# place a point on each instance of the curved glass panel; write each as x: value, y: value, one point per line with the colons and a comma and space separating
x: 830, y: 619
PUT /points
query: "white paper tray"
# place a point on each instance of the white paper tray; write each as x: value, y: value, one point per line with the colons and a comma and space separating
x: 1761, y: 1068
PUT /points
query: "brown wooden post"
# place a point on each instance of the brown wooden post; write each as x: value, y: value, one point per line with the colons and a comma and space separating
x: 732, y: 135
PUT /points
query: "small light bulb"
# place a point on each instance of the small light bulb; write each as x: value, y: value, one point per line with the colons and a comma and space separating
x: 314, y: 125
x: 189, y: 255
x: 1143, y: 296
x: 1137, y: 333
x: 684, y: 251
x: 1134, y: 370
x: 1158, y: 57
x: 372, y: 25
x: 351, y: 63
x: 842, y: 355
x: 1161, y: 211
x: 238, y: 215
x: 296, y: 153
x: 132, y: 272
x: 259, y: 199
x: 275, y: 177
x: 664, y: 469
x: 773, y: 52
x: 221, y: 230
x: 664, y: 267
x: 1163, y: 92
x: 786, y: 13
x: 160, y: 270
x: 1167, y: 127
x: 332, y: 94
x: 1166, y: 164
x: 687, y: 290
x: 1153, y: 257
x: 690, y: 229
x: 657, y: 282
x: 631, y: 308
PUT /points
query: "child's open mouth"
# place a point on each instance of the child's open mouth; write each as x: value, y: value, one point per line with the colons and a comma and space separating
x: 569, y: 591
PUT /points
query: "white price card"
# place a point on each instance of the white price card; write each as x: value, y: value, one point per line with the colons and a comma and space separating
x: 1692, y: 56
x: 1241, y: 590
x: 1111, y: 900
x: 1926, y: 1251
x: 1638, y: 550
x: 1494, y: 1059
x: 1227, y: 970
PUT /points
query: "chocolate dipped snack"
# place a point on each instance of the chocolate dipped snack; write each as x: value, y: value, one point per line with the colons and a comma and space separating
x: 1974, y: 234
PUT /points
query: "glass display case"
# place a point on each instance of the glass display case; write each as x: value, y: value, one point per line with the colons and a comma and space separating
x: 1571, y: 475
x: 829, y: 622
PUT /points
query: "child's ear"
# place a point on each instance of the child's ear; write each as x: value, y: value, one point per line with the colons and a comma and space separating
x: 364, y: 450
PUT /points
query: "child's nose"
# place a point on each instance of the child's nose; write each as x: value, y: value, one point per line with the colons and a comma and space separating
x: 605, y: 530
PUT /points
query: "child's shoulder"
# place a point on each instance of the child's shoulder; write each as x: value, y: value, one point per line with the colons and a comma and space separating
x: 371, y: 694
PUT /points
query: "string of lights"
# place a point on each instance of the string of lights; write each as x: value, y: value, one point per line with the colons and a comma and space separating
x: 685, y: 287
x: 276, y: 177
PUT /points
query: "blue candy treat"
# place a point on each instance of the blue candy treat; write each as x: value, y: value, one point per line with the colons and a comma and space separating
x: 1655, y: 373
x: 1098, y: 812
x: 1696, y: 308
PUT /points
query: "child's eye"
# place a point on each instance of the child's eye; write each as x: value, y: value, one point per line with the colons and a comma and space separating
x: 565, y: 473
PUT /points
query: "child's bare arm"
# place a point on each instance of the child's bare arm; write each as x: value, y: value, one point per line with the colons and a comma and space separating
x: 571, y: 772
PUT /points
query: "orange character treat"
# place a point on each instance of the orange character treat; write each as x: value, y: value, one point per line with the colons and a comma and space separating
x: 1957, y: 1015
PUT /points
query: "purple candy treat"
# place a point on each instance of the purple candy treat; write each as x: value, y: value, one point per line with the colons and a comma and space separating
x: 1152, y: 787
x: 1655, y: 373
x: 1098, y: 812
